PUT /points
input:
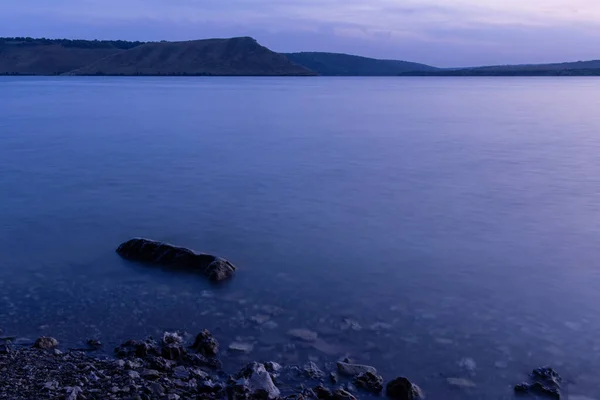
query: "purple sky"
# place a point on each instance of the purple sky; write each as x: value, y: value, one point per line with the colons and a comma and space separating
x: 440, y: 32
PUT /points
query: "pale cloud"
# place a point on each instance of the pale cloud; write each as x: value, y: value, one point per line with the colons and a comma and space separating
x: 477, y: 30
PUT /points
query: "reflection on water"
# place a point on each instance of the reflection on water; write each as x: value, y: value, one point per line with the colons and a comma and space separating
x: 443, y: 229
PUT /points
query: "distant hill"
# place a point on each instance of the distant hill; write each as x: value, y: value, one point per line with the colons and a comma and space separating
x: 28, y: 56
x: 334, y: 64
x: 579, y: 68
x: 230, y: 57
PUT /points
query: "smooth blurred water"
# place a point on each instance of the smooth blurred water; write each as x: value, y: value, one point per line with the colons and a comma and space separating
x: 463, y: 212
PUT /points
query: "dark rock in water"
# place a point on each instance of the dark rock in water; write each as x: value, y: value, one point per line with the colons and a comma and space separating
x: 149, y: 251
x: 94, y: 343
x: 4, y: 349
x: 333, y: 377
x: 370, y: 382
x: 539, y: 389
x: 403, y: 389
x: 172, y: 346
x: 323, y: 393
x: 46, y: 343
x: 206, y: 344
x: 546, y: 383
x: 253, y: 382
x: 546, y: 375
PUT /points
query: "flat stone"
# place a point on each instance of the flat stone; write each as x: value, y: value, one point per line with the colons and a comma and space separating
x: 150, y: 374
x: 353, y: 370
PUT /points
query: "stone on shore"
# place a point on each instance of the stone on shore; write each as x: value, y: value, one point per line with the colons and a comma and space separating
x: 370, y: 382
x: 403, y: 389
x: 152, y: 252
x: 254, y: 382
x: 354, y: 370
x: 45, y: 343
x: 206, y: 344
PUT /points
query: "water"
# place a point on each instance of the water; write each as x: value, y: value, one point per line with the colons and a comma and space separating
x: 455, y: 220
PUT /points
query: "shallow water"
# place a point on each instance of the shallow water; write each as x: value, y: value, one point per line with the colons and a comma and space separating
x: 452, y: 220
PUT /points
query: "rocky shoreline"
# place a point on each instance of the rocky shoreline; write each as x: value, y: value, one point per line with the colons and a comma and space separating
x: 171, y: 369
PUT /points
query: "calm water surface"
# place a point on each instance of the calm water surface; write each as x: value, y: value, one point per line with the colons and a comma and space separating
x: 455, y: 220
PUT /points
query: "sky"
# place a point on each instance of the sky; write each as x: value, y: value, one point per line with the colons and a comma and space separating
x: 445, y: 33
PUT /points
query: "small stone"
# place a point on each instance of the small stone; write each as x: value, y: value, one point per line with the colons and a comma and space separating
x: 303, y: 334
x: 94, y: 343
x: 115, y: 389
x: 461, y: 382
x: 370, y: 382
x: 181, y: 372
x: 403, y: 389
x: 273, y: 368
x: 157, y: 389
x: 206, y: 344
x: 133, y: 374
x: 120, y: 363
x: 312, y: 371
x: 51, y: 385
x: 73, y: 392
x: 45, y: 343
x: 241, y: 347
x: 333, y: 377
x: 57, y: 352
x: 172, y: 338
x: 173, y: 396
x: 353, y: 370
x: 150, y: 374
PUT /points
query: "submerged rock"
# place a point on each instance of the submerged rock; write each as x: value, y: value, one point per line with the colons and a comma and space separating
x: 45, y: 343
x: 403, y: 389
x: 152, y: 252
